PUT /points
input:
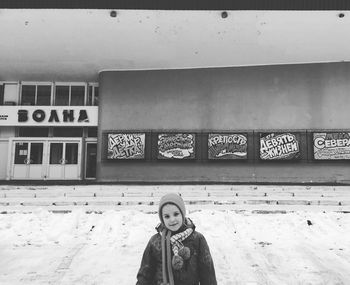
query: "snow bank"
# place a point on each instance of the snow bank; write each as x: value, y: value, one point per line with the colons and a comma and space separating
x: 247, y: 248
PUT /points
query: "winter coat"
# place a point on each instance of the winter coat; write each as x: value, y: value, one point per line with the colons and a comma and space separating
x: 198, y: 269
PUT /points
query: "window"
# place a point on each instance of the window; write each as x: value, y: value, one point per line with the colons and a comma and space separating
x: 36, y: 94
x: 93, y: 95
x: 28, y: 94
x: 62, y: 96
x: 68, y: 132
x: 33, y: 132
x: 70, y: 94
x: 36, y: 153
x: 43, y: 95
x: 56, y: 151
x: 77, y: 95
x: 92, y: 132
x: 66, y: 94
x: 2, y: 94
x: 21, y: 153
x: 71, y: 153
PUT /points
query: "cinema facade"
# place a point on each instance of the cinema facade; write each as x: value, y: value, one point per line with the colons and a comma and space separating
x: 136, y: 96
x: 48, y: 130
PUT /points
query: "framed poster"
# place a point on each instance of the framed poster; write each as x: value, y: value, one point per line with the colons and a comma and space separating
x: 176, y: 146
x: 279, y: 146
x: 331, y: 146
x: 126, y: 146
x: 227, y: 146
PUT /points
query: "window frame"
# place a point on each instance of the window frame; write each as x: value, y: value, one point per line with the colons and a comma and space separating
x: 36, y: 84
x: 70, y: 84
x: 94, y: 85
x: 2, y: 93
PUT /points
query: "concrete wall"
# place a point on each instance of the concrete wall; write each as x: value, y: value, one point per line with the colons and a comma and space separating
x: 289, y: 97
x: 7, y: 132
x: 3, y: 154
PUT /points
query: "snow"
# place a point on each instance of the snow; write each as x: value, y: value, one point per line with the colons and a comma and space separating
x: 41, y: 247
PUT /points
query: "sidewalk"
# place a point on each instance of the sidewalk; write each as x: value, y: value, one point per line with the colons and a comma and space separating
x: 98, y: 198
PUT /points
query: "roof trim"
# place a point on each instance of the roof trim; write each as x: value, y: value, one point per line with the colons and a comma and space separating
x: 220, y: 66
x: 179, y: 4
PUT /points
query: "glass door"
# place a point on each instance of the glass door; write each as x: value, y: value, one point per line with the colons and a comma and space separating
x: 36, y: 160
x: 28, y: 160
x: 64, y: 162
x: 56, y: 161
x: 71, y: 165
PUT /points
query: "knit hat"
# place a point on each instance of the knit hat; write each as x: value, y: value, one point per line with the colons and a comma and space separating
x: 172, y: 198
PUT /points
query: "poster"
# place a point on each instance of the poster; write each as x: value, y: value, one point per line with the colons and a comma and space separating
x: 331, y: 145
x: 227, y: 146
x: 126, y: 146
x: 176, y: 146
x: 279, y: 146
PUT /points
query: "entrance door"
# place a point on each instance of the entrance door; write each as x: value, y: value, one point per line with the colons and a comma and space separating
x: 90, y: 161
x: 64, y: 160
x: 28, y: 160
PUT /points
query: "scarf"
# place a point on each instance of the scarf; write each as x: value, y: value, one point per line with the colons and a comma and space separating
x: 176, y: 240
x: 173, y: 243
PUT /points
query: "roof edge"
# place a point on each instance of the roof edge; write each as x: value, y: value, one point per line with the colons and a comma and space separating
x: 179, y: 4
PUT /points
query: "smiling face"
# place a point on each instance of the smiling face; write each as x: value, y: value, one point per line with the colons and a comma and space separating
x: 172, y: 217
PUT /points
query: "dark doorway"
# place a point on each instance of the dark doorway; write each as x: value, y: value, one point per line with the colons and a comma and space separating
x: 91, y: 151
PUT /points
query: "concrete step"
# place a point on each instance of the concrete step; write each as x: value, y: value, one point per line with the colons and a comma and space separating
x: 156, y: 195
x: 119, y: 196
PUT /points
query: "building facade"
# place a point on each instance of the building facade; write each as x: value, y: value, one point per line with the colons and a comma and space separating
x: 286, y: 124
x: 175, y: 94
x: 48, y: 130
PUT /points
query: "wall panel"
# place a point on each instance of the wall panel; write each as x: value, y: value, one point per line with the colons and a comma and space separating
x: 248, y: 99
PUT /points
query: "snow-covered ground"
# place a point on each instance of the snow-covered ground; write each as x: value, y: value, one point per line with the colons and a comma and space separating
x: 42, y: 247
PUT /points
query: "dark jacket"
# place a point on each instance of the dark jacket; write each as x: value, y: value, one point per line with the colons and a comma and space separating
x: 199, y: 269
